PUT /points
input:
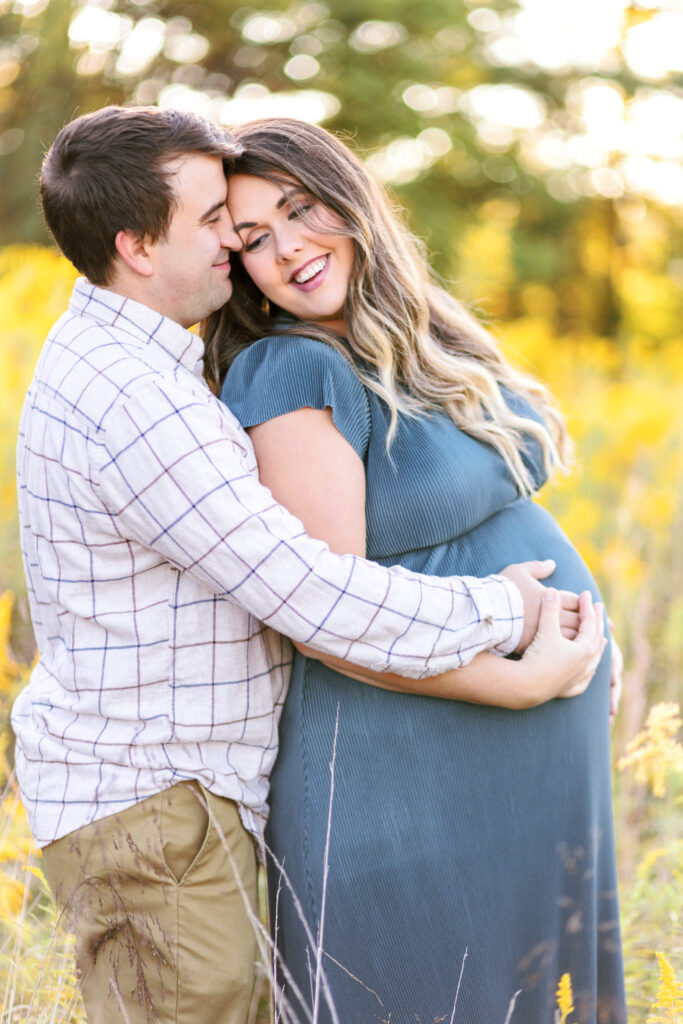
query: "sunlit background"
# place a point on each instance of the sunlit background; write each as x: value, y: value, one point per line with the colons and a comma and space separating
x: 536, y: 147
x: 607, y: 139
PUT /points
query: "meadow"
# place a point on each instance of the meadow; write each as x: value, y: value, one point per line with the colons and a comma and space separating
x: 622, y: 506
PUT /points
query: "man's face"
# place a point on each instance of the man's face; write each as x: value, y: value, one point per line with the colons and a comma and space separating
x: 191, y: 265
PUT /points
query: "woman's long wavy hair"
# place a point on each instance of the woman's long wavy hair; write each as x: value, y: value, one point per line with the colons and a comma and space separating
x: 419, y: 349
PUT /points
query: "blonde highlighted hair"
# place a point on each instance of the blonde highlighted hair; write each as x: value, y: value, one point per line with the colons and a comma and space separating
x: 418, y: 347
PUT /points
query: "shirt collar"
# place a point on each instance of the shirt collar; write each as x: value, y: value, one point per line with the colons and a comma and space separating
x: 143, y: 323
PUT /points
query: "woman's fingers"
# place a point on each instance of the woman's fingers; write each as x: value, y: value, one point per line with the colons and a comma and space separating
x: 590, y: 638
x: 582, y: 680
x: 565, y: 666
x: 588, y: 646
x: 549, y: 617
x: 616, y: 679
x: 590, y: 617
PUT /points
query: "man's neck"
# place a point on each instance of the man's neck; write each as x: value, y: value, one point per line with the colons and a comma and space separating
x: 131, y: 286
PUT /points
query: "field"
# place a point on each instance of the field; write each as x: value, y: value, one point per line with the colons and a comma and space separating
x: 622, y: 506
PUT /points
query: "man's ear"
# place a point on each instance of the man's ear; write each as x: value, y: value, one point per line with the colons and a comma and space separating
x: 134, y: 251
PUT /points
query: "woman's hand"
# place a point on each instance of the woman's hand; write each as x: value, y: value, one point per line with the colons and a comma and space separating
x: 616, y: 677
x: 555, y: 666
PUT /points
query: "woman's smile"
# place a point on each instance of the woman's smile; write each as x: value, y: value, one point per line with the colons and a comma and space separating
x: 312, y: 274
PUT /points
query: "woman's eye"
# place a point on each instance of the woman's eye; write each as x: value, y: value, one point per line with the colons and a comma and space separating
x: 300, y: 210
x: 256, y: 243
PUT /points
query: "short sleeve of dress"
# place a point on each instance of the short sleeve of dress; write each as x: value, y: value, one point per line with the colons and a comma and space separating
x: 283, y: 373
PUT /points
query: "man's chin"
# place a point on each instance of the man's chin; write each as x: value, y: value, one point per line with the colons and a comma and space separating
x: 215, y: 301
x: 220, y: 298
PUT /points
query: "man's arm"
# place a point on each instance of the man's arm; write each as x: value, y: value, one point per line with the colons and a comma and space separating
x: 315, y: 472
x: 174, y: 480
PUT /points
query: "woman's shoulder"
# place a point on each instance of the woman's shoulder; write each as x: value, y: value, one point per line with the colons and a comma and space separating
x: 282, y: 373
x: 290, y: 353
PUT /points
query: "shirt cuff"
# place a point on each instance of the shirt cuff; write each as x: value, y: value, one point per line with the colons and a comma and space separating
x: 506, y: 615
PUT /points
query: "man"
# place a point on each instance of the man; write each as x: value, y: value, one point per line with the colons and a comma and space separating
x: 154, y: 559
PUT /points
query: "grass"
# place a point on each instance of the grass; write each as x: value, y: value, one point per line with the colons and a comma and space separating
x: 623, y: 510
x: 36, y: 954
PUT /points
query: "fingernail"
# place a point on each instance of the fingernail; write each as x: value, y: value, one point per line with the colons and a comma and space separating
x: 550, y: 594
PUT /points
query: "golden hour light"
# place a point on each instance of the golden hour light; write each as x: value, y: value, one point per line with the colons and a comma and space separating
x: 375, y: 350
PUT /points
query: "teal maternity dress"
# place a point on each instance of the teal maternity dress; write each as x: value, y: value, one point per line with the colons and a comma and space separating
x: 471, y: 847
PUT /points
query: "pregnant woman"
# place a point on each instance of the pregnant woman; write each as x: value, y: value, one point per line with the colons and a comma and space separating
x: 471, y: 855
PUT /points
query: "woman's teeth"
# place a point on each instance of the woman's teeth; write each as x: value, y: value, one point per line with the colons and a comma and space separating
x: 310, y: 270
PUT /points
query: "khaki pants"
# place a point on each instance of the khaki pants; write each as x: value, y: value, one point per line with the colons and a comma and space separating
x: 162, y: 932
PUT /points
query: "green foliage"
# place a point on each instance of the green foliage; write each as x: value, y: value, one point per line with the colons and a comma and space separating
x: 600, y: 274
x: 45, y: 80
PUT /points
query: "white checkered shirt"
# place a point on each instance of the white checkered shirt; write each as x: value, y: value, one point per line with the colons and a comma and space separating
x: 154, y: 557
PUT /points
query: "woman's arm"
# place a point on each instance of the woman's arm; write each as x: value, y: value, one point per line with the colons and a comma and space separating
x: 314, y: 472
x: 552, y: 666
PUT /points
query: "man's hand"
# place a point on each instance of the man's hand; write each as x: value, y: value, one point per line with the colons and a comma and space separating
x: 526, y: 576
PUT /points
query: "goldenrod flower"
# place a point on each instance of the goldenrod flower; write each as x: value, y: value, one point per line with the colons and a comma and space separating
x: 8, y: 666
x: 669, y: 997
x: 654, y: 752
x: 565, y: 998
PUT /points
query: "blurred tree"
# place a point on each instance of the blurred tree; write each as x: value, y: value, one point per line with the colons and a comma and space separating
x: 443, y: 98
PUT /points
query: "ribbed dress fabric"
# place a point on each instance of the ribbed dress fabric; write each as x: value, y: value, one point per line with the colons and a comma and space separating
x: 464, y: 838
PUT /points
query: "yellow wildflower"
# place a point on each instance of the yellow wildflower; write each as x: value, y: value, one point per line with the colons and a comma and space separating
x: 12, y: 895
x: 654, y: 752
x: 669, y: 997
x: 8, y: 666
x: 565, y: 998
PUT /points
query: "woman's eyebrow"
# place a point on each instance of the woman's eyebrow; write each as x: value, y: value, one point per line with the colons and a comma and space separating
x: 253, y: 223
x: 244, y: 224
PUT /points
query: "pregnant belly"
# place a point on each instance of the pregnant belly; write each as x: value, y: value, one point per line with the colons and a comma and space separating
x: 518, y: 533
x: 481, y: 828
x: 402, y: 760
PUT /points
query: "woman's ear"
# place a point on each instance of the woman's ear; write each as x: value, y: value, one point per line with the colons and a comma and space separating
x: 134, y: 251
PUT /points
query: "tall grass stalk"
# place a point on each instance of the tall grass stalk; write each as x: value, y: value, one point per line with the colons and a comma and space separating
x: 326, y: 869
x: 457, y: 990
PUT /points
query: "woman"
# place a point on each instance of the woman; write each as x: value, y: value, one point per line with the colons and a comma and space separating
x: 470, y: 846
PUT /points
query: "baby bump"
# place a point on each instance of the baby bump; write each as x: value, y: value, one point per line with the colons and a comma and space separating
x: 424, y: 786
x: 518, y: 533
x: 462, y: 825
x: 377, y: 725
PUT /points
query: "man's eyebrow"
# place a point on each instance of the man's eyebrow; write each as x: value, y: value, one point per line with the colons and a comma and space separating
x: 210, y: 212
x: 286, y: 198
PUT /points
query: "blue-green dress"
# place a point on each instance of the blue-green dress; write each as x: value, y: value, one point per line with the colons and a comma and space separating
x: 465, y: 840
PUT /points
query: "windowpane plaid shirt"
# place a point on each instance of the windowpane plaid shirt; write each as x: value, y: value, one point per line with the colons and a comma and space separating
x: 159, y: 570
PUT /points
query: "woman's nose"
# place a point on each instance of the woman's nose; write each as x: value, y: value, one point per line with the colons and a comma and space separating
x: 289, y: 244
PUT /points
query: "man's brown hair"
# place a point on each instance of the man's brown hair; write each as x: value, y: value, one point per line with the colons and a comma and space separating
x: 109, y: 171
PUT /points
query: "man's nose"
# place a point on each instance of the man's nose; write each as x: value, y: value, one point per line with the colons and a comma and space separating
x: 231, y: 240
x: 229, y: 237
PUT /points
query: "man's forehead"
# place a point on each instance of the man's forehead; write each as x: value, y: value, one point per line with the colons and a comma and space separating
x: 192, y: 163
x: 197, y: 178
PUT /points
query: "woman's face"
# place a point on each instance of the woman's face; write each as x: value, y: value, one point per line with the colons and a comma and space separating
x: 297, y: 265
